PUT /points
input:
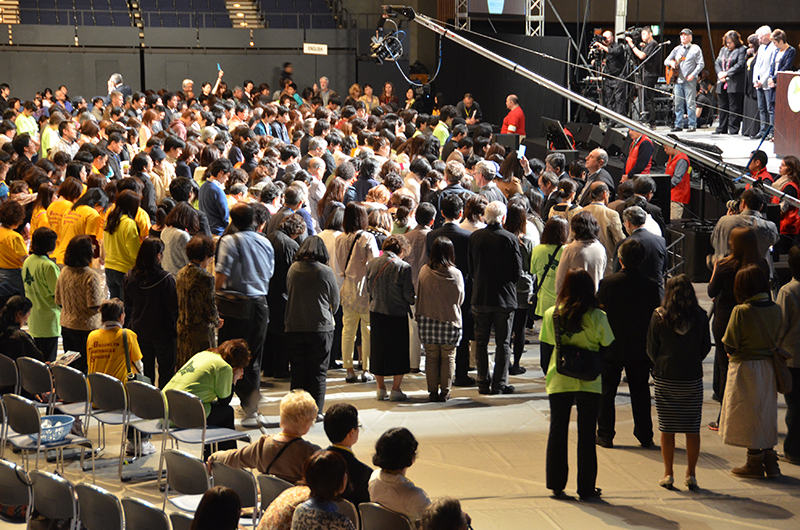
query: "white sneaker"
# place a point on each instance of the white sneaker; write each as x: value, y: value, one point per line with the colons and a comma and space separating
x: 253, y: 421
x: 382, y: 395
x: 397, y: 395
x: 148, y: 448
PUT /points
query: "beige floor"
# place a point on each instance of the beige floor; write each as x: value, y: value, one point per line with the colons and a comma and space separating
x: 488, y: 451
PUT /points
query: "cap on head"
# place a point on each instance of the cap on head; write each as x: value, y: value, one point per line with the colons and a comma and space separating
x: 686, y: 31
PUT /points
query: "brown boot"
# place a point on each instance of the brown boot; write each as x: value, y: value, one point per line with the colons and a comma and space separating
x: 771, y: 463
x: 753, y: 468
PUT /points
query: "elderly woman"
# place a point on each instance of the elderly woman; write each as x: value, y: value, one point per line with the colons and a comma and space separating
x: 395, y: 452
x: 750, y: 406
x: 585, y: 252
x: 391, y: 293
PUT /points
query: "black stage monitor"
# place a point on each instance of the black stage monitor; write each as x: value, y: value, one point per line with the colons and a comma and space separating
x: 555, y: 134
x: 509, y: 141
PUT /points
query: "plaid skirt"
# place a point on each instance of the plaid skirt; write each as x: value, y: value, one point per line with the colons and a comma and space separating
x: 436, y: 332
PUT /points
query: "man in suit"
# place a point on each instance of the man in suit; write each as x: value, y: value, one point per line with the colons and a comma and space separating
x: 596, y: 166
x: 629, y: 298
x: 115, y: 83
x: 452, y: 207
x: 495, y: 264
x: 645, y: 187
x: 342, y: 428
x: 654, y: 263
x: 548, y: 183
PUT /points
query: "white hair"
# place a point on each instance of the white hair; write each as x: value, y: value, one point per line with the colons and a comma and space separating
x: 763, y: 30
x: 495, y: 213
x: 187, y: 82
x: 487, y: 169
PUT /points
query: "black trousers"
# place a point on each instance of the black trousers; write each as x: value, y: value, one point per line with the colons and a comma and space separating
x: 615, y: 94
x: 545, y: 352
x: 730, y: 112
x: 791, y: 444
x: 276, y: 359
x: 484, y: 322
x: 221, y: 415
x: 254, y: 332
x: 75, y: 340
x: 310, y: 354
x: 462, y: 351
x: 518, y: 329
x: 48, y: 346
x: 557, y: 468
x: 164, y: 351
x: 638, y: 372
x: 650, y: 99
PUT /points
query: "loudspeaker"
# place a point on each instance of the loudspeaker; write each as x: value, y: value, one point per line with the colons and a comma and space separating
x: 589, y: 137
x: 660, y: 157
x: 509, y: 141
x: 537, y: 148
x: 575, y: 128
x: 613, y: 142
x: 661, y: 197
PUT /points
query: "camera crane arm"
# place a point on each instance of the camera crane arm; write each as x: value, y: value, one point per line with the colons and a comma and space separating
x: 728, y: 170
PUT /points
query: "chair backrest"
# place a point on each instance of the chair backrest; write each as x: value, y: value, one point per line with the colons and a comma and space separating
x: 185, y: 409
x: 146, y: 401
x: 22, y: 415
x: 141, y: 515
x: 108, y: 393
x: 34, y: 376
x: 99, y: 509
x: 186, y: 473
x: 240, y: 480
x: 349, y: 509
x: 53, y: 496
x: 376, y: 517
x: 180, y: 521
x: 14, y: 489
x: 271, y: 486
x: 70, y: 384
x: 9, y: 376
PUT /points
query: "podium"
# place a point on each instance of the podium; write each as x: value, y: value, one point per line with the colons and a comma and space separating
x: 787, y: 114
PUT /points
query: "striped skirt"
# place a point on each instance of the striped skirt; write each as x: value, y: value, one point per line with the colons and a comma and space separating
x: 679, y: 405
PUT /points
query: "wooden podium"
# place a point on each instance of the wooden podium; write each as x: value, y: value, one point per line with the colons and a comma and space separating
x: 787, y: 114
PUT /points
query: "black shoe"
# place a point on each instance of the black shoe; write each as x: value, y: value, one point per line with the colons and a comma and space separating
x: 559, y: 494
x: 756, y: 136
x: 604, y: 442
x: 589, y: 495
x: 647, y: 445
x: 484, y: 390
x: 691, y: 129
x: 517, y: 370
x: 507, y: 389
x: 468, y: 381
x: 719, y: 132
x: 676, y: 129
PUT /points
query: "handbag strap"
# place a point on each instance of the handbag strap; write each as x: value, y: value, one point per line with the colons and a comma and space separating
x: 372, y: 285
x: 127, y: 352
x: 284, y: 448
x: 548, y: 267
x: 557, y: 329
x: 350, y: 253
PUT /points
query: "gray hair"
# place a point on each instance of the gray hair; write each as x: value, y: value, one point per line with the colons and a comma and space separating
x: 315, y: 163
x: 635, y: 215
x: 317, y: 143
x: 602, y: 156
x: 550, y: 177
x: 487, y: 169
x: 763, y: 30
x: 308, y: 125
x: 495, y: 213
x: 187, y: 82
x: 556, y: 160
x: 117, y: 78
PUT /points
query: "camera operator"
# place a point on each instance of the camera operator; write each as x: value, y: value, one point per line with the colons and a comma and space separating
x: 614, y: 90
x: 649, y: 72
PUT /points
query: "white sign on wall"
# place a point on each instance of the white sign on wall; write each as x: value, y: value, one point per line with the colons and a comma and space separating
x: 315, y: 49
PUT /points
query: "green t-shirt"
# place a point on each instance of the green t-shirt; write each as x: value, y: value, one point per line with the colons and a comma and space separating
x: 206, y: 375
x: 595, y: 332
x: 40, y: 274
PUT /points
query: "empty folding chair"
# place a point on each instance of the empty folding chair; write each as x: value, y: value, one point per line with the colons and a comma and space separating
x: 349, y: 509
x: 35, y: 378
x: 187, y: 413
x: 180, y: 521
x: 271, y: 486
x: 99, y: 509
x: 54, y: 498
x: 72, y: 389
x: 376, y: 517
x: 24, y: 419
x: 147, y: 414
x: 187, y: 475
x: 14, y: 486
x: 9, y: 375
x: 110, y: 407
x: 242, y: 482
x: 141, y: 515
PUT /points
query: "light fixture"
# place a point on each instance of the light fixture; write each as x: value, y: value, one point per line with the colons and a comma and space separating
x: 239, y: 14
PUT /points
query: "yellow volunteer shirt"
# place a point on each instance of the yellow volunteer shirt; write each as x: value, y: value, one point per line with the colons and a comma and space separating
x: 39, y: 219
x: 55, y: 214
x: 105, y: 352
x: 83, y: 220
x: 12, y: 249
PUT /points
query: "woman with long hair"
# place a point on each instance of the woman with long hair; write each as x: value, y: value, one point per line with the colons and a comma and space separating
x: 44, y: 198
x: 580, y: 323
x: 69, y: 192
x: 677, y: 342
x: 517, y: 222
x: 565, y: 206
x: 181, y: 224
x: 750, y: 404
x: 151, y: 303
x: 743, y: 247
x: 14, y: 341
x: 440, y: 293
x: 13, y: 250
x: 354, y: 248
x: 585, y: 252
x: 388, y: 95
x: 219, y: 509
x: 122, y: 241
x: 789, y: 183
x: 146, y: 131
x: 730, y: 67
x: 332, y: 199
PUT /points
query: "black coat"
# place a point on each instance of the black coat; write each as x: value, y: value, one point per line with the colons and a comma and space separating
x: 460, y: 240
x: 358, y: 474
x: 495, y: 264
x: 629, y: 299
x: 736, y: 68
x: 655, y: 258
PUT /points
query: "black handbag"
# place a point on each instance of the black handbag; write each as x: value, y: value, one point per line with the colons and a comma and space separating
x: 132, y: 376
x: 233, y: 304
x: 573, y: 361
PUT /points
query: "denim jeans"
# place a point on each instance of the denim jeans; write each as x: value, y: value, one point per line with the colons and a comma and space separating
x: 763, y: 109
x: 685, y: 94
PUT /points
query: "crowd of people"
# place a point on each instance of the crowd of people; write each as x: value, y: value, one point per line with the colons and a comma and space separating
x: 219, y: 238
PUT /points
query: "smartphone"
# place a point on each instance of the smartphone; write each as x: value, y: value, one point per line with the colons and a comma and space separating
x: 218, y: 67
x: 521, y: 152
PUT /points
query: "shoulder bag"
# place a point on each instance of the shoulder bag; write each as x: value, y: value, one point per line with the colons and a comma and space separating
x: 573, y: 361
x: 232, y: 303
x: 783, y: 376
x: 132, y: 376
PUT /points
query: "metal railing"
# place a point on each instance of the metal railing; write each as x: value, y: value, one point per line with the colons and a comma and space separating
x: 676, y: 252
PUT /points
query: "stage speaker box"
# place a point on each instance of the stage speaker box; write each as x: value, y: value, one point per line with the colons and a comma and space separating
x: 661, y: 197
x: 613, y: 142
x: 509, y: 141
x: 590, y: 136
x: 575, y: 128
x: 660, y: 157
x: 537, y: 148
x: 696, y: 246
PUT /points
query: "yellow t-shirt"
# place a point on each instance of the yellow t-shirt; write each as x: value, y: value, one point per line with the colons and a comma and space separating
x: 55, y: 213
x: 83, y: 220
x: 12, y: 249
x: 122, y: 246
x: 39, y: 219
x: 106, y: 354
